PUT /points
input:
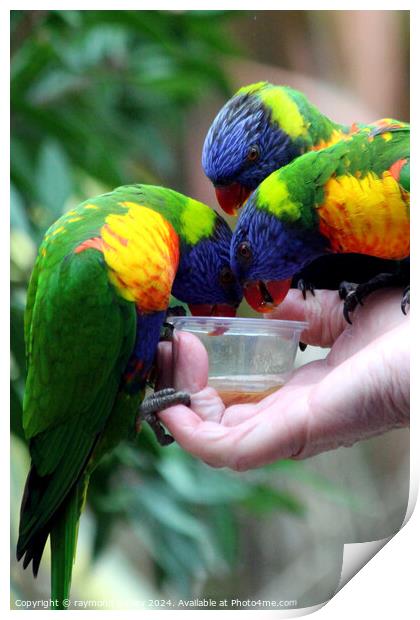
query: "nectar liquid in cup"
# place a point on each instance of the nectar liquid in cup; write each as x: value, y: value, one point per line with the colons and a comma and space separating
x: 248, y: 358
x: 239, y: 390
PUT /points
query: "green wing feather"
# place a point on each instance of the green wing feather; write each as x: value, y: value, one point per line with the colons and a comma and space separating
x: 63, y: 542
x: 79, y: 338
x: 306, y: 176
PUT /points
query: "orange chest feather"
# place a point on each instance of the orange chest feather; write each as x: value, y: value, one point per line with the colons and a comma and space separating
x: 141, y: 250
x: 368, y: 215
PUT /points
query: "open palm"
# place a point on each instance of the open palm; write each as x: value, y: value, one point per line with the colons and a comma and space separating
x: 359, y: 390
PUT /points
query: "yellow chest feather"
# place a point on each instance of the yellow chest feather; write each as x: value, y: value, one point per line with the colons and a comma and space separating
x: 141, y: 250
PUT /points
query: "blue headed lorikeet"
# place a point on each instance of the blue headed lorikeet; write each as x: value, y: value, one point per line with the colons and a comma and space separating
x: 351, y: 197
x: 262, y: 128
x: 96, y: 303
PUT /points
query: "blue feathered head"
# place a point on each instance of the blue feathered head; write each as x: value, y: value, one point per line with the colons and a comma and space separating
x: 204, y: 278
x: 246, y: 142
x: 268, y: 250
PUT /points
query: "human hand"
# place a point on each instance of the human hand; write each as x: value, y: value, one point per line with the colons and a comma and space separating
x: 359, y: 390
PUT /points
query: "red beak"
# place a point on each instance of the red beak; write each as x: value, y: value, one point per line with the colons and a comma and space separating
x: 264, y: 296
x: 231, y: 197
x: 212, y: 310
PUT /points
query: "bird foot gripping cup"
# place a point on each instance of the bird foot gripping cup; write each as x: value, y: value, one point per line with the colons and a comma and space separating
x: 248, y: 358
x: 158, y: 401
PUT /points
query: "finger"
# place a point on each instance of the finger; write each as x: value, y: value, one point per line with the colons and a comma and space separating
x: 207, y: 440
x: 208, y: 405
x: 190, y: 363
x: 236, y: 414
x: 323, y: 312
x: 366, y: 395
x: 274, y: 433
x: 380, y: 313
x: 164, y: 365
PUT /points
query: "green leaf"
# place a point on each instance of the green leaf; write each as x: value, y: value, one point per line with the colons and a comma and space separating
x: 201, y: 484
x: 168, y: 512
x: 22, y: 169
x: 16, y: 410
x: 299, y: 471
x: 264, y: 499
x: 56, y: 85
x: 224, y: 531
x: 53, y: 179
x: 18, y: 216
x: 17, y: 333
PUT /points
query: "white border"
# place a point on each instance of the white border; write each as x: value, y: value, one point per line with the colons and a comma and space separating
x: 388, y: 584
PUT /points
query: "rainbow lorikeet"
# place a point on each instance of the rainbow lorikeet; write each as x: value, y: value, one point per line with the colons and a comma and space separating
x: 97, y: 300
x: 262, y: 128
x: 352, y: 197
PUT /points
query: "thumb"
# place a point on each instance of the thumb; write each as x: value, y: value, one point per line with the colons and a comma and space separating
x: 190, y: 364
x: 323, y: 311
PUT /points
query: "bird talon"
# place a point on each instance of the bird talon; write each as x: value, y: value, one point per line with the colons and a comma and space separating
x: 356, y: 295
x: 158, y: 402
x: 304, y: 286
x: 167, y: 329
x: 405, y: 301
x: 345, y: 289
x: 166, y: 332
x: 347, y: 316
x: 350, y: 303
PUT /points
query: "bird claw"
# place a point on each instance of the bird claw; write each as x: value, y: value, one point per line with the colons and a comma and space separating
x: 167, y: 329
x: 304, y: 286
x: 355, y: 294
x: 345, y: 289
x: 350, y: 303
x: 354, y: 297
x: 156, y: 402
x: 166, y: 332
x: 405, y: 301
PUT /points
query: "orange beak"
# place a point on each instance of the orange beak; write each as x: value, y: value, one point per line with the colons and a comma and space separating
x: 231, y: 197
x: 264, y: 296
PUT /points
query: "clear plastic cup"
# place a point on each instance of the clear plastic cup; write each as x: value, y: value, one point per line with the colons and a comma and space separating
x: 248, y: 358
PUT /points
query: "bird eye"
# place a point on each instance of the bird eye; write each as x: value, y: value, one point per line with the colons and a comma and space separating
x: 253, y: 153
x: 226, y: 276
x: 244, y: 251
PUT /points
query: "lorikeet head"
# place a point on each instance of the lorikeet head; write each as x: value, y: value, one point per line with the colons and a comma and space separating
x: 256, y: 132
x: 268, y: 249
x: 204, y: 279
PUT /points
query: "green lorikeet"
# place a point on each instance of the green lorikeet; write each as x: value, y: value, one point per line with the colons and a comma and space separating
x: 96, y: 303
x: 262, y: 128
x: 352, y: 197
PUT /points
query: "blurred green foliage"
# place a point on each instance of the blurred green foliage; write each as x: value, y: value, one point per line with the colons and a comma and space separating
x: 99, y: 98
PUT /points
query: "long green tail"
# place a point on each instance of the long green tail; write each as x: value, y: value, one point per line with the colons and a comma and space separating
x: 63, y: 540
